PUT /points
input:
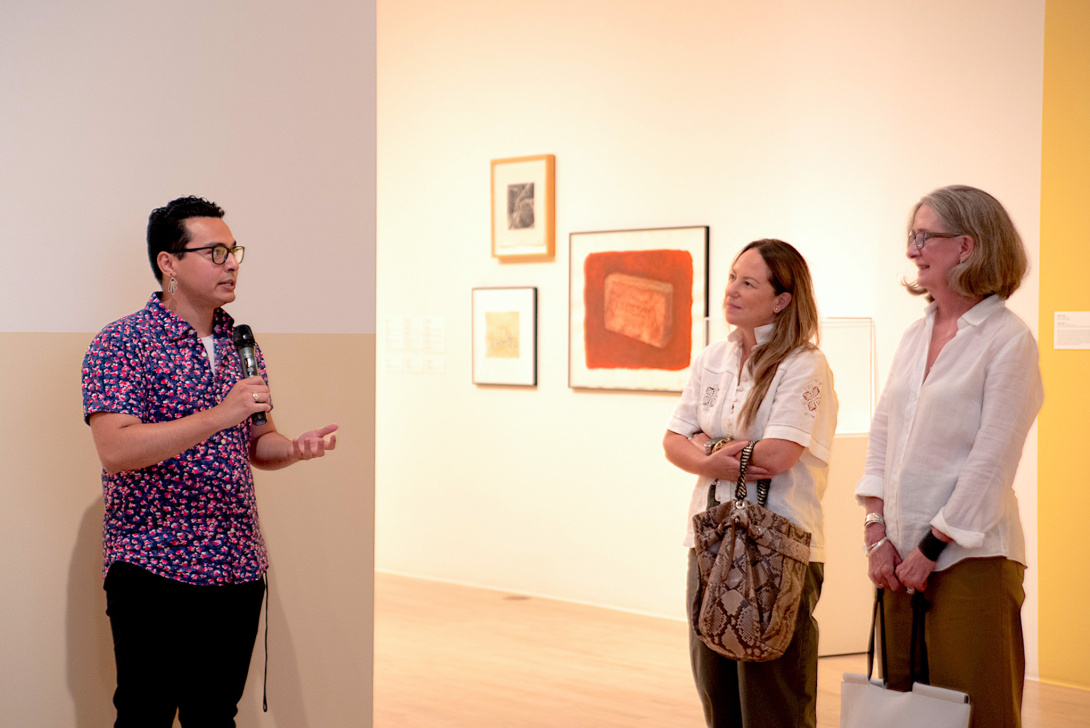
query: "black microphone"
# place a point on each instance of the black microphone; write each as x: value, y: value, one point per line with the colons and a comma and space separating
x: 244, y: 343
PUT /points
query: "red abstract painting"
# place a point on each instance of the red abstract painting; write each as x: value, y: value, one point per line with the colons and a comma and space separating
x: 638, y: 309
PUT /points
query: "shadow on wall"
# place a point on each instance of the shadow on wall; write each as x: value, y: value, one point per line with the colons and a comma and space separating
x: 286, y: 709
x: 91, y: 676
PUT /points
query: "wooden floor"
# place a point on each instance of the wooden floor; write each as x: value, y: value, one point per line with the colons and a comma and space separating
x: 449, y: 656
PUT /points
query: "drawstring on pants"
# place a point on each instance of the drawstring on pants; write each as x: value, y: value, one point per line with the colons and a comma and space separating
x: 265, y: 687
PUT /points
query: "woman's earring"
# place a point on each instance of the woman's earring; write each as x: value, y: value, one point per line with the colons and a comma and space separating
x: 172, y: 287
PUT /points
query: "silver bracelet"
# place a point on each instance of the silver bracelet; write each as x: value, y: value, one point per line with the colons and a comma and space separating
x: 868, y: 550
x: 874, y: 518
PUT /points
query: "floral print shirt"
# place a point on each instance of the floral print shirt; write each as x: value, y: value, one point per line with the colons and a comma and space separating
x: 193, y: 517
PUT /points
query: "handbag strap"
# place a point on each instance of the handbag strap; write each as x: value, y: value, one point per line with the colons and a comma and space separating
x: 740, y: 488
x: 762, y: 485
x: 918, y: 672
x: 878, y: 619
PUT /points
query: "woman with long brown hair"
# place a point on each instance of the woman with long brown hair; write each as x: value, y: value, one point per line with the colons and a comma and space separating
x: 767, y: 382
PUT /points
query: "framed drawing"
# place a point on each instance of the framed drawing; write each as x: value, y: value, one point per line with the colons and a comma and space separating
x: 505, y: 336
x: 522, y: 208
x: 638, y: 300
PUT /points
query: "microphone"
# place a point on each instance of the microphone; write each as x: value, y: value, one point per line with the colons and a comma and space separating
x: 244, y: 344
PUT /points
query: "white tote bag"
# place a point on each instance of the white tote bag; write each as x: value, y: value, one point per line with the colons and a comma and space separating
x: 868, y: 704
x: 865, y: 702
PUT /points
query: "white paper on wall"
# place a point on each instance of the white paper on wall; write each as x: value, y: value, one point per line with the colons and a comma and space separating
x: 1071, y: 330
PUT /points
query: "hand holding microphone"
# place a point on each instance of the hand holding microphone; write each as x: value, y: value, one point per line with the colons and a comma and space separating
x: 247, y: 354
x: 272, y: 450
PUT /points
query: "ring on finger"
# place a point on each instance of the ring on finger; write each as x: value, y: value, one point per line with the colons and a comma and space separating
x: 256, y: 398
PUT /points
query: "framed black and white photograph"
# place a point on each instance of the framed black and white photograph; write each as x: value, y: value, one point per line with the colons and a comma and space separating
x: 638, y: 301
x: 522, y: 208
x: 505, y: 336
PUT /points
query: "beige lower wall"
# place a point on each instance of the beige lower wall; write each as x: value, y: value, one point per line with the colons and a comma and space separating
x: 847, y: 595
x: 317, y: 518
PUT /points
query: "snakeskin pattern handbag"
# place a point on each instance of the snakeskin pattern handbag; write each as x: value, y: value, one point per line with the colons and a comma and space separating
x: 752, y: 565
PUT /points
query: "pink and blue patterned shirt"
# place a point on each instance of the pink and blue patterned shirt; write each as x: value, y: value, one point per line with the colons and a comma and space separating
x: 193, y: 517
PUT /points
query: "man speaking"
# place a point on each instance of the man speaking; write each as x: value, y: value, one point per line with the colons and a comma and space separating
x: 172, y: 416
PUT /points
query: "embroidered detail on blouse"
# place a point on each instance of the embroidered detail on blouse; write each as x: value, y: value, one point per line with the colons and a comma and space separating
x: 811, y: 396
x: 710, y: 395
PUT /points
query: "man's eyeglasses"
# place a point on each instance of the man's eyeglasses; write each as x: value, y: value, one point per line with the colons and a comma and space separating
x: 220, y: 252
x: 920, y: 239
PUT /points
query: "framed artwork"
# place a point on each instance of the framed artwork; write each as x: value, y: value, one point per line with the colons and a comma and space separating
x: 505, y: 336
x: 522, y: 208
x: 638, y: 301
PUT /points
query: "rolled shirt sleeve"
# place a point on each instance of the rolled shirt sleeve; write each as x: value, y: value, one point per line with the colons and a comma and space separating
x: 799, y: 410
x: 1013, y: 394
x: 685, y: 419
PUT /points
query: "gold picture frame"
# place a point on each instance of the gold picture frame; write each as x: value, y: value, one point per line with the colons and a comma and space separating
x: 523, y: 215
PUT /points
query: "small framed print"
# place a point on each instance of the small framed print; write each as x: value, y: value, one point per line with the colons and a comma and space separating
x: 522, y: 208
x: 637, y: 304
x: 505, y: 336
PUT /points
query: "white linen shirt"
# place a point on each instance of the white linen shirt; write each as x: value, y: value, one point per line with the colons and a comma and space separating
x: 800, y: 406
x: 943, y: 450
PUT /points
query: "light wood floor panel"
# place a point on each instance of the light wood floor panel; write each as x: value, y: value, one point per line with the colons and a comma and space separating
x: 450, y: 656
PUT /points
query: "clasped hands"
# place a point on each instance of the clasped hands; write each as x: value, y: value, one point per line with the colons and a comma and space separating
x: 888, y: 570
x: 723, y: 464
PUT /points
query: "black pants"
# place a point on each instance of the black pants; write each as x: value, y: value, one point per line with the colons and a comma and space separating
x: 179, y: 648
x: 780, y: 693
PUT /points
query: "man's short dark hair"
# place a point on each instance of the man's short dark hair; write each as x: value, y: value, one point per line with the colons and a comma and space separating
x: 167, y: 230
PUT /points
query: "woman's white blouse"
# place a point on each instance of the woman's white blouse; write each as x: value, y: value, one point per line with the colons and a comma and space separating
x: 943, y: 450
x: 800, y: 406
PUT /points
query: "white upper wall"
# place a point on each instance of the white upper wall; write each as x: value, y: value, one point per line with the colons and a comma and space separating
x: 109, y: 110
x: 820, y: 123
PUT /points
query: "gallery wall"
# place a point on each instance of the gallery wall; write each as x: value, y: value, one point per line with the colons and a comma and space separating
x: 817, y: 123
x: 108, y: 110
x: 1065, y: 264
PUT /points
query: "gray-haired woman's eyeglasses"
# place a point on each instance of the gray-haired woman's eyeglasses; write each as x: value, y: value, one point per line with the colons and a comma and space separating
x: 920, y: 239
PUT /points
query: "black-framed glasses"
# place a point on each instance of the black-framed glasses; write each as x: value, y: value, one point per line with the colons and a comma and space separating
x: 920, y: 239
x: 220, y: 252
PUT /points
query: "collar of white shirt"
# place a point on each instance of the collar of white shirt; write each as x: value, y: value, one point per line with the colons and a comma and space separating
x: 762, y: 333
x: 978, y: 313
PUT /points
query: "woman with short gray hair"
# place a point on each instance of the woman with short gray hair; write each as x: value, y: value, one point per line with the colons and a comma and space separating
x: 942, y: 516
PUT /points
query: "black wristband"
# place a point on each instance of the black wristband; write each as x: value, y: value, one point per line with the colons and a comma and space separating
x: 931, y: 546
